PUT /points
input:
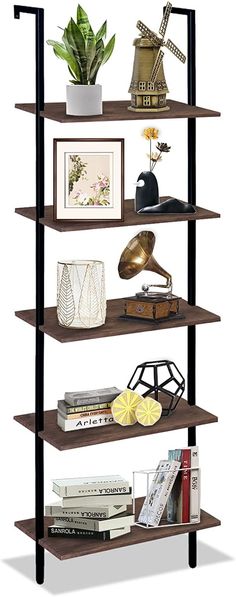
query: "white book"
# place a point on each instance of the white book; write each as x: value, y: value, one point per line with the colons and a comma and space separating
x: 86, y: 486
x: 194, y: 485
x: 120, y: 521
x: 95, y: 500
x: 84, y: 423
x: 161, y: 486
x: 99, y: 512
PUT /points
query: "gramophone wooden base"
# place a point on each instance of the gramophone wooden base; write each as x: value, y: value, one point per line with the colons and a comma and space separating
x: 151, y: 308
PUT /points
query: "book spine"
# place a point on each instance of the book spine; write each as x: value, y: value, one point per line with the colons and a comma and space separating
x: 107, y: 488
x: 194, y: 486
x: 84, y: 423
x: 68, y: 410
x: 80, y: 523
x: 99, y: 513
x: 185, y: 464
x: 175, y: 495
x: 76, y: 416
x: 160, y: 490
x: 80, y: 399
x: 56, y: 531
x: 96, y: 501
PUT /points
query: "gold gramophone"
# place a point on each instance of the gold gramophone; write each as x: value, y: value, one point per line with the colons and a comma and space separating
x: 137, y: 256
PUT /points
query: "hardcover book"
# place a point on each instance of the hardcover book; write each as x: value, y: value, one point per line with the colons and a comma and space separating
x: 55, y: 531
x: 161, y: 486
x: 95, y: 500
x: 91, y: 396
x: 183, y: 505
x: 85, y: 414
x: 119, y: 521
x: 68, y: 410
x: 86, y: 486
x: 98, y: 512
x: 84, y: 423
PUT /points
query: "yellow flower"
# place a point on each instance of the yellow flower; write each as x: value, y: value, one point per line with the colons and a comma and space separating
x: 151, y: 133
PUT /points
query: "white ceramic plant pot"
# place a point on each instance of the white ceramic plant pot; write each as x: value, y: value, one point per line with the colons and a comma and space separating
x: 83, y: 100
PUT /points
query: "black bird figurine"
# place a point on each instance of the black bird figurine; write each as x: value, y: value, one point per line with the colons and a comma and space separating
x: 170, y: 206
x: 147, y: 193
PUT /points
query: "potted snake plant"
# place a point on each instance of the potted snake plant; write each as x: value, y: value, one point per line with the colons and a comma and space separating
x: 85, y: 52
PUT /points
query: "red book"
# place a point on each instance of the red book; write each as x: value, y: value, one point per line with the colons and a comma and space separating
x: 186, y: 463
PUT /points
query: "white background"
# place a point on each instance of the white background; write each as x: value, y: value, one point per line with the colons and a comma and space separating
x: 150, y: 567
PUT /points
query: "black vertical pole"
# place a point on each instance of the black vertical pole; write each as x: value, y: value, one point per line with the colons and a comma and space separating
x: 39, y: 347
x: 191, y: 66
x: 192, y: 246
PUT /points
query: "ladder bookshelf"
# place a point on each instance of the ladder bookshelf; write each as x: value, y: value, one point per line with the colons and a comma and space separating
x: 43, y: 423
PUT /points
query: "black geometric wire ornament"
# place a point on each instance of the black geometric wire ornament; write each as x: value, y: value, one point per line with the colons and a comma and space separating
x: 159, y: 376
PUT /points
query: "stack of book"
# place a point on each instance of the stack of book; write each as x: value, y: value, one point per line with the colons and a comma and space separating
x: 81, y: 410
x: 174, y: 496
x: 92, y: 507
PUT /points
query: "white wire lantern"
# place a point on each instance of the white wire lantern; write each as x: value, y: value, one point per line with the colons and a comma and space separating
x: 81, y: 300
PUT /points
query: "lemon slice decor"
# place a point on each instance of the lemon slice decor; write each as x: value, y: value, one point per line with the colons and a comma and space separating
x: 148, y: 412
x: 124, y: 406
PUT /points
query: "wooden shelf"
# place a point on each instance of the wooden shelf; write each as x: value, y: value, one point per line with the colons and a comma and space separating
x: 131, y: 218
x: 64, y: 549
x: 118, y: 110
x: 115, y: 325
x: 184, y: 416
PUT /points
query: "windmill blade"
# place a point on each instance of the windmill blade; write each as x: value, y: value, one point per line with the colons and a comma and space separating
x: 165, y: 20
x: 156, y: 66
x: 148, y: 33
x: 173, y: 48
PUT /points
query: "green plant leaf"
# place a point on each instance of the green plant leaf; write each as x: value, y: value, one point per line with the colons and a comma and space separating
x: 61, y: 51
x: 76, y: 40
x: 90, y: 51
x: 83, y: 21
x: 97, y: 61
x: 109, y: 49
x: 102, y: 31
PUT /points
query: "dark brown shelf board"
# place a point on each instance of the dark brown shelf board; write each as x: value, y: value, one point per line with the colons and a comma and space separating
x: 184, y: 416
x: 64, y: 549
x: 118, y: 110
x: 115, y: 325
x: 131, y: 218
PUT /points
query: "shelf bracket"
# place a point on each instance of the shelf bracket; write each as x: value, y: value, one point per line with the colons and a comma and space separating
x: 39, y: 245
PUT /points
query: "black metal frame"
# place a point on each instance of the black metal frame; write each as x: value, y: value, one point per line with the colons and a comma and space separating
x: 39, y: 356
x: 191, y: 385
x: 39, y: 235
x: 137, y: 380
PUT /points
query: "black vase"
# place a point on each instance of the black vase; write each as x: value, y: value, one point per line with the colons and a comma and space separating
x: 148, y: 194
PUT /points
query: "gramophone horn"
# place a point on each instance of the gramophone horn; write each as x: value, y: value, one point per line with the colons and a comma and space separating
x: 137, y: 256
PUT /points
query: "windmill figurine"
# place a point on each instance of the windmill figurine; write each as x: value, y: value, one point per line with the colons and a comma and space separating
x: 148, y: 87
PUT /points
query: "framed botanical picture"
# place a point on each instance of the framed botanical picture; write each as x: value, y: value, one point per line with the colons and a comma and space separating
x: 88, y: 181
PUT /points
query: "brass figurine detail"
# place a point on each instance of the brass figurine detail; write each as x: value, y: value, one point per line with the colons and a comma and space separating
x: 148, y: 87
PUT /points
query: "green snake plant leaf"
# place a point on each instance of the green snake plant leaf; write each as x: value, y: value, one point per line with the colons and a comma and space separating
x: 90, y: 51
x: 97, y: 61
x: 76, y: 40
x: 102, y: 31
x: 109, y: 49
x: 61, y: 51
x: 83, y: 21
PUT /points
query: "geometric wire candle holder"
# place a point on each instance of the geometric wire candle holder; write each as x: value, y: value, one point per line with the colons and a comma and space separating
x: 155, y: 377
x: 142, y: 490
x: 81, y: 301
